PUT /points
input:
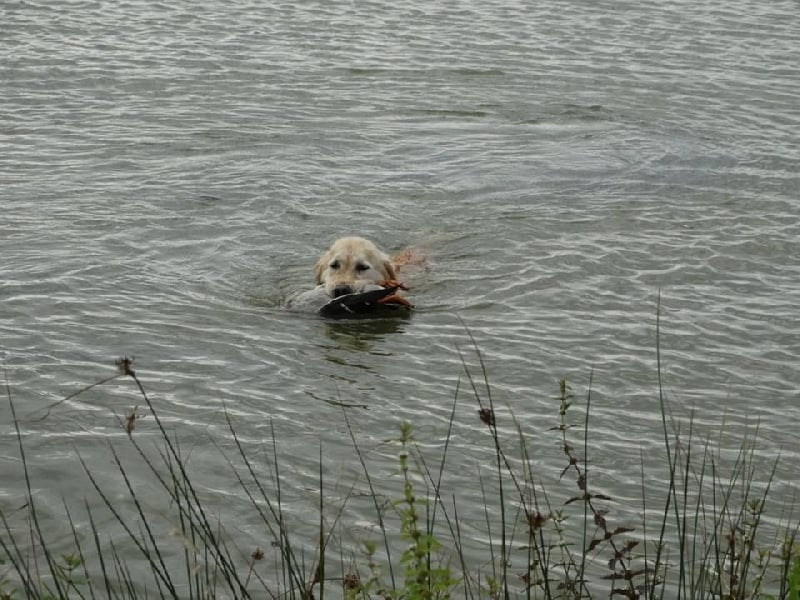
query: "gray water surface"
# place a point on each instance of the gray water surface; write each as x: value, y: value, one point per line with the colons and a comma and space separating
x: 169, y: 173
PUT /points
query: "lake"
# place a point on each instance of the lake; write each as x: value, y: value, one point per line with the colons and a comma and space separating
x: 170, y: 172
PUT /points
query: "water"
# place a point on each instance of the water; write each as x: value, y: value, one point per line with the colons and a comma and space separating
x: 169, y: 173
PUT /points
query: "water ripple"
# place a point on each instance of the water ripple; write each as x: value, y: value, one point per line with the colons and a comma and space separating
x: 171, y: 172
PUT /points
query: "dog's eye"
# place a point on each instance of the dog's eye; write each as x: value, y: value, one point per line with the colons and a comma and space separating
x: 334, y: 265
x: 362, y: 267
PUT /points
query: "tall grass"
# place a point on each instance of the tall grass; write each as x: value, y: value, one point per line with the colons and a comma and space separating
x: 547, y: 540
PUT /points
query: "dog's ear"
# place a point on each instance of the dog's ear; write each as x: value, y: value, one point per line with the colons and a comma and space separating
x: 388, y: 268
x: 320, y: 267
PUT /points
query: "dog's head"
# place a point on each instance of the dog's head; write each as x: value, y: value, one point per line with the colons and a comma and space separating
x: 350, y: 264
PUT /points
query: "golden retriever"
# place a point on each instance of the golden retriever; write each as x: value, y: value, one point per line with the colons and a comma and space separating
x: 350, y: 264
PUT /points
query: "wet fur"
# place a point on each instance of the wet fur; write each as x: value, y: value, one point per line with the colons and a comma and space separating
x: 350, y: 264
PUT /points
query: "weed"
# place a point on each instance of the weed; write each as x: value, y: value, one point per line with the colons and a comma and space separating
x: 421, y: 579
x: 708, y: 541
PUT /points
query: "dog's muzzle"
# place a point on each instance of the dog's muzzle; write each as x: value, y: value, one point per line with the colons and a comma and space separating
x: 342, y: 290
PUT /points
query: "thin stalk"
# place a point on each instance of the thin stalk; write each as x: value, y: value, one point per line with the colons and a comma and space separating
x: 374, y: 497
x: 582, y: 566
x: 98, y: 548
x: 644, y: 527
x: 80, y: 551
x: 499, y: 456
x: 286, y: 552
x: 468, y: 593
x: 17, y: 560
x: 123, y: 573
x: 229, y: 572
x: 31, y: 504
x: 322, y: 540
x: 161, y: 576
x: 672, y: 494
x: 283, y: 540
x: 698, y: 582
x: 143, y: 521
x: 447, y: 438
x: 683, y: 525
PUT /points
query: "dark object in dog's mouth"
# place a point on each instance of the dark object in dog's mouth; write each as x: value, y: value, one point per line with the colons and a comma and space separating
x: 374, y: 303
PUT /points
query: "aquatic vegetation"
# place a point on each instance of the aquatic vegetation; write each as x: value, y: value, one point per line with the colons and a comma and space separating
x: 706, y: 539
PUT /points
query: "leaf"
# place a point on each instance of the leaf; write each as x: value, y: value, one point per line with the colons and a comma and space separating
x: 630, y: 546
x: 595, y: 542
x: 619, y: 530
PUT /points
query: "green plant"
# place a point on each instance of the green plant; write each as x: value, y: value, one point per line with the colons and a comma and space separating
x: 421, y: 579
x: 6, y: 592
x: 424, y: 574
x: 794, y: 579
x: 790, y: 564
x: 708, y: 542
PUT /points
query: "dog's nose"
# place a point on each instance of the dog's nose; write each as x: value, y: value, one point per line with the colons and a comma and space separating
x: 341, y: 290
